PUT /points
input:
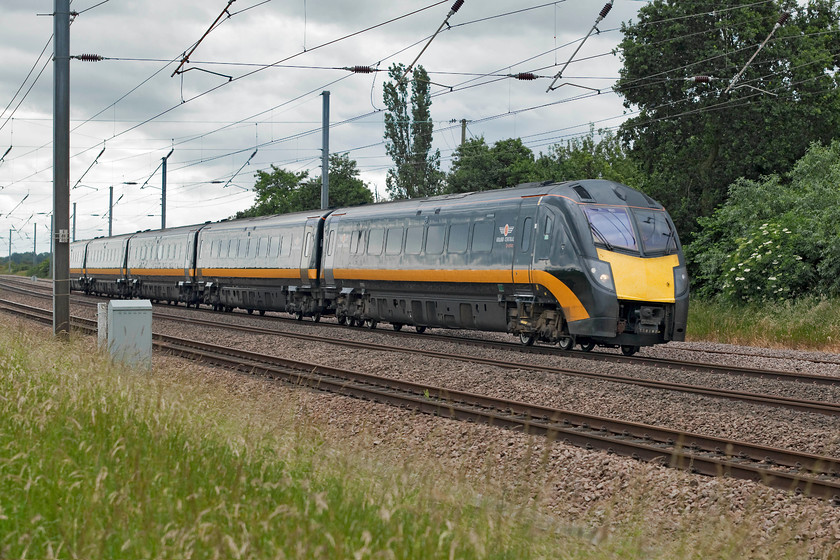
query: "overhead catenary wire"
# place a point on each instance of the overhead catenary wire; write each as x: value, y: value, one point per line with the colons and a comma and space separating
x: 601, y: 15
x: 782, y: 19
x: 452, y: 11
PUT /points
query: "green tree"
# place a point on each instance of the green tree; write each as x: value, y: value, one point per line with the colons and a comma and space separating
x: 408, y: 136
x: 281, y: 191
x: 693, y: 139
x: 587, y: 158
x: 478, y: 167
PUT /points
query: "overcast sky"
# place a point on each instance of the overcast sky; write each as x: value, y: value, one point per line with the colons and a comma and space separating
x: 132, y: 106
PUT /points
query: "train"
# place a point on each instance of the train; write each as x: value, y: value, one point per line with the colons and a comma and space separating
x: 577, y: 263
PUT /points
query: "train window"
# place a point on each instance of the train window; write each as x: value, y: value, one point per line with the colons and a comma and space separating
x: 393, y: 242
x: 286, y: 245
x: 242, y: 251
x: 252, y: 248
x: 611, y: 227
x: 374, y: 244
x: 548, y: 226
x: 526, y: 233
x: 357, y: 241
x: 330, y: 242
x: 274, y: 246
x: 482, y: 239
x: 414, y: 240
x: 458, y: 236
x: 434, y: 239
x: 654, y: 230
x: 307, y: 245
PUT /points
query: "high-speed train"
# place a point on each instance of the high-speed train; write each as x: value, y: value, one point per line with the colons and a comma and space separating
x: 582, y: 262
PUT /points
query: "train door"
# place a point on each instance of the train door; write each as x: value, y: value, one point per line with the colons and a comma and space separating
x: 523, y: 240
x: 311, y: 251
x: 549, y: 232
x: 329, y: 250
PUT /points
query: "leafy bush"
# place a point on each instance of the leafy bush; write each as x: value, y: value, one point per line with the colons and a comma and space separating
x: 775, y: 238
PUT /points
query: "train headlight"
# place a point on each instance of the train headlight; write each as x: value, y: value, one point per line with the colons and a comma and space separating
x: 601, y: 272
x: 680, y: 280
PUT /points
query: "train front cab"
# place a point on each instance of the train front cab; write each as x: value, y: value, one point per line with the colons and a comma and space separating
x: 630, y: 276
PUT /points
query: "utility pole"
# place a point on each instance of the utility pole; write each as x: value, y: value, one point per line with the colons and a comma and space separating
x: 10, y: 251
x: 463, y: 131
x: 325, y: 152
x: 110, y: 210
x: 35, y: 246
x: 74, y: 225
x: 163, y: 190
x: 52, y: 250
x: 61, y: 168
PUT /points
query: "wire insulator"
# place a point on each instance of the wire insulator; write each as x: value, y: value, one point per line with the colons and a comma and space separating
x: 605, y: 10
x: 525, y: 76
x: 701, y: 79
x: 784, y: 17
x: 361, y: 70
x: 457, y: 5
x: 88, y: 57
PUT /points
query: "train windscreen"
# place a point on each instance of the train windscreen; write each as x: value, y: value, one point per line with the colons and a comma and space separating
x: 611, y: 227
x: 655, y: 231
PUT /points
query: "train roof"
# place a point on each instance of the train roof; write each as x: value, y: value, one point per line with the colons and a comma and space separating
x: 589, y: 191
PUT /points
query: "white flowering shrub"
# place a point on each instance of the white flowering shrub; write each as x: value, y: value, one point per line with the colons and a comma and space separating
x: 767, y: 265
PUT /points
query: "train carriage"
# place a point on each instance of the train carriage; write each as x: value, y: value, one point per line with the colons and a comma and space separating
x: 264, y: 264
x: 160, y: 265
x: 104, y: 267
x: 434, y: 262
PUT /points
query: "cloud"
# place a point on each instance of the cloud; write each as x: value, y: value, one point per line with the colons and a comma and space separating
x: 215, y: 131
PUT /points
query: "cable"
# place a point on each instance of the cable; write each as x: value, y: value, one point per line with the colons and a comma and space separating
x: 12, y: 114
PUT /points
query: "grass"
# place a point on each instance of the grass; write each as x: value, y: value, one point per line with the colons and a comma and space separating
x: 97, y: 461
x: 807, y: 323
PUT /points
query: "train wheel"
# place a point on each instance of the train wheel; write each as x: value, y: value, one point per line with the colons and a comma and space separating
x: 262, y: 312
x: 372, y: 324
x: 420, y: 329
x: 629, y: 350
x: 317, y: 318
x: 397, y: 326
x: 342, y: 320
x: 587, y: 346
x: 566, y: 343
x: 299, y: 315
x: 250, y: 312
x: 527, y: 339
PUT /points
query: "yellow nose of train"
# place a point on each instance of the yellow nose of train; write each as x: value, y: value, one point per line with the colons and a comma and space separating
x: 642, y: 279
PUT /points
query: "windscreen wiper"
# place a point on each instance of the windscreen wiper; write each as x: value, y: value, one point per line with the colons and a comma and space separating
x: 601, y: 236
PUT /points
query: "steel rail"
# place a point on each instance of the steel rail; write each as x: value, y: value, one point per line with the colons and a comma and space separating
x: 680, y: 365
x: 810, y: 474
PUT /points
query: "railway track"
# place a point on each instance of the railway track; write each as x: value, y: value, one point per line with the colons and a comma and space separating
x: 678, y: 365
x: 802, y: 405
x: 809, y: 474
